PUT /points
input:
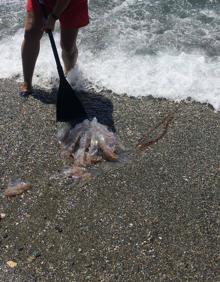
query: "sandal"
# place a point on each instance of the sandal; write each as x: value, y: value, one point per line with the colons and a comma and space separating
x: 25, y: 91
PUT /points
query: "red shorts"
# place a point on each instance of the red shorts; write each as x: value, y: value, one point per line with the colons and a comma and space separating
x: 74, y: 16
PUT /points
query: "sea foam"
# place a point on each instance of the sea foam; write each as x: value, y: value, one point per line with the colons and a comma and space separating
x: 127, y: 51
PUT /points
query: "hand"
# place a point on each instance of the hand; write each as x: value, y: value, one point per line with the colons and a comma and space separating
x: 50, y: 23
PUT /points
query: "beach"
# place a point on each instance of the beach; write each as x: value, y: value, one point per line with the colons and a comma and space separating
x: 153, y: 216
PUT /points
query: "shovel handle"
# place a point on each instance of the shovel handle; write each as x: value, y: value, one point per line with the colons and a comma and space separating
x: 52, y: 42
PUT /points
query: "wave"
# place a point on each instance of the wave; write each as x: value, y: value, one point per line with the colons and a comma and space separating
x: 128, y: 49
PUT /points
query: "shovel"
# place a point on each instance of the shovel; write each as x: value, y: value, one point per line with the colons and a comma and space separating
x: 68, y: 106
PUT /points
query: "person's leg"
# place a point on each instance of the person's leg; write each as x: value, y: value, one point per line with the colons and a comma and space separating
x: 69, y: 48
x: 30, y: 47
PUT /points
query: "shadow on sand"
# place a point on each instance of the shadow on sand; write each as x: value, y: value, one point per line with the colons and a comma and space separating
x: 95, y: 105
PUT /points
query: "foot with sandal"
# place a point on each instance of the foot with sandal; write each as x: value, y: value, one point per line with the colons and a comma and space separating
x: 25, y: 90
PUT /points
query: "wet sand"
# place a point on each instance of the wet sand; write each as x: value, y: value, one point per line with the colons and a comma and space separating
x: 152, y: 217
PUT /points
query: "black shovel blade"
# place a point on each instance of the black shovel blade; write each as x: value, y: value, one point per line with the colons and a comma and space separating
x: 69, y: 108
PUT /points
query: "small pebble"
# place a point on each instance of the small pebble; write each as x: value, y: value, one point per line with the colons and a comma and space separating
x: 2, y: 215
x: 12, y: 263
x: 31, y: 258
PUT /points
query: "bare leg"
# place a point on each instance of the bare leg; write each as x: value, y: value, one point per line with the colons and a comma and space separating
x: 30, y: 47
x: 69, y: 48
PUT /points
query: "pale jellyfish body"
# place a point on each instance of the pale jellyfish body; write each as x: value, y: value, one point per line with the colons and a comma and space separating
x: 88, y: 143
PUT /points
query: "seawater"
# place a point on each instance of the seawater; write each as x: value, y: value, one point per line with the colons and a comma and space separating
x: 164, y: 48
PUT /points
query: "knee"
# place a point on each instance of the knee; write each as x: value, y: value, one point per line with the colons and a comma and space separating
x: 33, y: 34
x: 68, y: 49
x: 33, y: 27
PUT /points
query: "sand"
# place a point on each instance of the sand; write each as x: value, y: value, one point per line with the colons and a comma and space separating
x: 154, y: 216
